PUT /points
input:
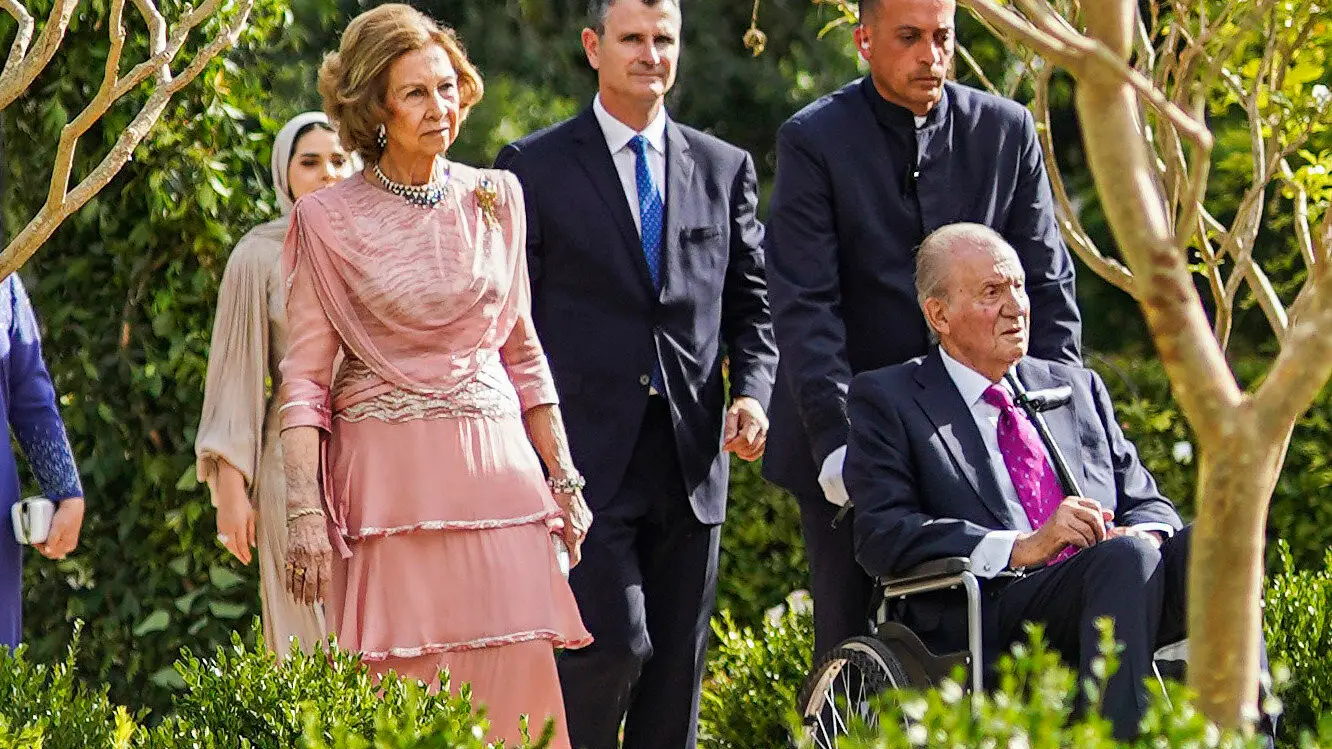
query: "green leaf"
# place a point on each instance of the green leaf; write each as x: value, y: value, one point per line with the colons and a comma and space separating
x: 188, y: 480
x: 224, y: 610
x: 168, y: 678
x: 156, y: 622
x: 186, y: 602
x: 223, y: 578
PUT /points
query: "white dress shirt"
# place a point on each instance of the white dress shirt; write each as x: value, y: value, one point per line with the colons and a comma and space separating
x: 618, y: 136
x: 991, y: 555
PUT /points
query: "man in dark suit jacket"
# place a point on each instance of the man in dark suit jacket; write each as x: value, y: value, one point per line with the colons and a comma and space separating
x: 937, y: 468
x: 862, y: 176
x: 647, y: 273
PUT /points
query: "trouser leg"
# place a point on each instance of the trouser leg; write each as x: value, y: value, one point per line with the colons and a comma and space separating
x: 839, y: 585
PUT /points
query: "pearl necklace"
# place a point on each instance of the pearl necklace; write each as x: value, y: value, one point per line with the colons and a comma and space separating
x: 428, y: 195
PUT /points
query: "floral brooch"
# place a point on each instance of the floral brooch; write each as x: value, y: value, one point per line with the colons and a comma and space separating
x: 487, y: 198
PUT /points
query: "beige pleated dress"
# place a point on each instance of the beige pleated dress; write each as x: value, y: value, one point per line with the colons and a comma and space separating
x: 240, y: 423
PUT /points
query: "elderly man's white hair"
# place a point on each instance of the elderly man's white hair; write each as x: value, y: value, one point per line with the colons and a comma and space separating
x: 933, y: 260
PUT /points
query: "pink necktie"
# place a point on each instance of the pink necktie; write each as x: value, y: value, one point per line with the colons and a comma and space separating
x: 1033, y: 477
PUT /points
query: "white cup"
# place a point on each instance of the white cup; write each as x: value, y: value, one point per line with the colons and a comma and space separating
x: 32, y: 519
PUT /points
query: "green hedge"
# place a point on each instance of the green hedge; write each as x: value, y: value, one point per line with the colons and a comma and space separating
x: 1036, y: 706
x: 240, y: 697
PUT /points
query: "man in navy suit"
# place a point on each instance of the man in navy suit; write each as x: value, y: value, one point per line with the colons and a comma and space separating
x: 863, y: 175
x: 941, y: 463
x: 647, y: 274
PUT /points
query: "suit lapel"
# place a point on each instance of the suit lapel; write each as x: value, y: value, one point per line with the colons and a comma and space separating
x: 956, y: 426
x: 595, y: 158
x: 1063, y: 421
x: 679, y: 175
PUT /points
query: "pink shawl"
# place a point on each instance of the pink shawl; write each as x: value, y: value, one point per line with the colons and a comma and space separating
x: 424, y: 297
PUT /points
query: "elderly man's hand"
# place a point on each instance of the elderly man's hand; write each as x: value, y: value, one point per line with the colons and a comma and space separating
x: 1155, y: 538
x: 746, y: 429
x: 1078, y: 521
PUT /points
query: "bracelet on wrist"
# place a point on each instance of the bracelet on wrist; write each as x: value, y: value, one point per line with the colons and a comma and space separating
x: 569, y: 484
x: 304, y: 512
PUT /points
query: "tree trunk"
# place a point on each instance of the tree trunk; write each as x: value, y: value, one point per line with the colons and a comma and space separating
x: 1236, y: 476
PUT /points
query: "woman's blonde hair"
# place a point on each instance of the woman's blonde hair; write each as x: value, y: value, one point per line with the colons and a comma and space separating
x: 353, y: 80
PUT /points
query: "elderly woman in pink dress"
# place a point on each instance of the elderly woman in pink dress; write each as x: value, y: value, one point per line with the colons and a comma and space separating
x: 417, y: 505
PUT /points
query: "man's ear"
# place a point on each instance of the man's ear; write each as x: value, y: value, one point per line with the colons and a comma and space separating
x: 862, y: 39
x: 936, y: 315
x: 592, y: 48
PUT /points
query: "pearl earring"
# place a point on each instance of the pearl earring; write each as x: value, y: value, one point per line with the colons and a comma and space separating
x: 382, y: 137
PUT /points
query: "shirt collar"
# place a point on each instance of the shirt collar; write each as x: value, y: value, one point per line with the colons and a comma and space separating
x: 892, y: 115
x: 970, y: 383
x: 619, y: 134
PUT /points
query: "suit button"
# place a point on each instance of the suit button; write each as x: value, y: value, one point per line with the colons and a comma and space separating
x: 644, y: 380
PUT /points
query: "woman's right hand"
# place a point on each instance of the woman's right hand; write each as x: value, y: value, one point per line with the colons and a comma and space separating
x: 235, y: 524
x: 577, y: 519
x: 309, y: 568
x: 235, y: 514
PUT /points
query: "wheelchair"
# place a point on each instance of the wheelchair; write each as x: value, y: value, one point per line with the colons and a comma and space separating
x: 842, y: 684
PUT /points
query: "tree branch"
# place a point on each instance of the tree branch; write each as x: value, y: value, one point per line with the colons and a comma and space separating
x: 1303, y: 231
x: 1070, y: 225
x: 976, y: 68
x: 1305, y: 361
x: 22, y: 35
x: 61, y: 202
x: 1124, y: 167
x: 1011, y: 26
x: 16, y: 77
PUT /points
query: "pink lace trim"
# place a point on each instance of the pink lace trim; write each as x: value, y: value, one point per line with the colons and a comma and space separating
x: 479, y: 644
x: 454, y: 525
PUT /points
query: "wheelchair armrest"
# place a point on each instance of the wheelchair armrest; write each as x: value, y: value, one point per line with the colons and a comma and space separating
x: 935, y: 568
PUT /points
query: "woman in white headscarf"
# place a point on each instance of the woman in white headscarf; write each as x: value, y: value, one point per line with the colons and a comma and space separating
x: 238, y: 445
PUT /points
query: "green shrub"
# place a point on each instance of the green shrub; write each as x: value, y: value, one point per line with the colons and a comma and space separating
x: 240, y: 697
x: 1035, y: 706
x: 412, y: 727
x: 243, y: 698
x: 1297, y: 620
x: 753, y: 677
x: 50, y: 708
x: 763, y: 556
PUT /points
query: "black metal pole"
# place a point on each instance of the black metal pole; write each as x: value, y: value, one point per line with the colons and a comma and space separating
x: 1071, y: 487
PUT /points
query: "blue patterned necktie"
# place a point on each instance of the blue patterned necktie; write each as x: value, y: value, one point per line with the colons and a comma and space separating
x: 650, y: 210
x: 650, y: 213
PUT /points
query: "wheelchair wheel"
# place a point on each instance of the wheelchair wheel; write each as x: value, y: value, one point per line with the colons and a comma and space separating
x: 841, y: 686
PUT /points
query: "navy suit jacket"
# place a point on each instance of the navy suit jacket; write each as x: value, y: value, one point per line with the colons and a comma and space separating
x: 848, y: 212
x: 600, y: 320
x: 924, y: 485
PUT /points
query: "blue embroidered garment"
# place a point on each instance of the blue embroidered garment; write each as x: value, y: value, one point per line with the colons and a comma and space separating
x: 29, y: 402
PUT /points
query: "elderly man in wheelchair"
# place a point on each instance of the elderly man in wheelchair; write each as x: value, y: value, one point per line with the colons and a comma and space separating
x: 978, y: 468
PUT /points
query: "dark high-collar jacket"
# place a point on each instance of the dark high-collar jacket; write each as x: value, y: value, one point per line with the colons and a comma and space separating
x: 858, y: 188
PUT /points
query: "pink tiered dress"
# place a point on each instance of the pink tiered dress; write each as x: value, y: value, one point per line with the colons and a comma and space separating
x: 439, y: 514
